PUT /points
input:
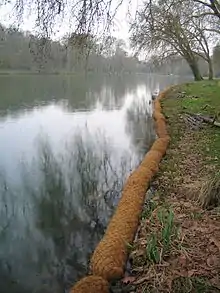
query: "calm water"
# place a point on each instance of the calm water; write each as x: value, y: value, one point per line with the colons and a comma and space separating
x: 67, y: 144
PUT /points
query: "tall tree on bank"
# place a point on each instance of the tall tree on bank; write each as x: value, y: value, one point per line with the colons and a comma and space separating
x: 201, y: 36
x: 167, y: 28
x: 216, y: 59
x: 203, y: 32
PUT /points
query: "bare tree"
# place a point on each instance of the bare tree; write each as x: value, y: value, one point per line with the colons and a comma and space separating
x: 202, y: 36
x: 216, y: 59
x: 84, y: 16
x: 168, y: 29
x: 159, y: 29
x: 212, y: 5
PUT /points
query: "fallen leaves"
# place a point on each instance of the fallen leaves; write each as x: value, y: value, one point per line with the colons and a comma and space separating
x: 195, y: 253
x: 213, y: 261
x: 216, y: 242
x: 182, y: 260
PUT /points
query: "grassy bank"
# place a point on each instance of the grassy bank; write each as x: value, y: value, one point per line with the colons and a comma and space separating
x: 177, y: 247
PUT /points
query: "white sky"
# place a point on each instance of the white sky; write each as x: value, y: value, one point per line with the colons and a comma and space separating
x: 121, y: 22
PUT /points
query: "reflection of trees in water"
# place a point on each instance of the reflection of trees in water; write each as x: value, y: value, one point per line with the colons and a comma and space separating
x: 140, y: 125
x: 114, y: 90
x: 160, y: 81
x: 25, y: 92
x: 8, y: 282
x: 55, y: 219
x: 81, y: 92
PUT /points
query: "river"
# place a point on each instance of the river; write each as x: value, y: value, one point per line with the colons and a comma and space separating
x: 67, y: 145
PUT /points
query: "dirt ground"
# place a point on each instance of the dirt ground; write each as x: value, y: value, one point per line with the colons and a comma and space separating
x: 177, y: 246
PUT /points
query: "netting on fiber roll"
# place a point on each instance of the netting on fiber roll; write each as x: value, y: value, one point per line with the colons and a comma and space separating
x: 109, y: 258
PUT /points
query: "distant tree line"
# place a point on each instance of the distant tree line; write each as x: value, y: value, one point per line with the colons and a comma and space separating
x: 23, y: 51
x: 165, y: 29
x: 74, y: 53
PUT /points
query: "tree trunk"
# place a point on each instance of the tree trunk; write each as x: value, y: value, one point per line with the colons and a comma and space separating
x: 193, y: 64
x: 210, y: 69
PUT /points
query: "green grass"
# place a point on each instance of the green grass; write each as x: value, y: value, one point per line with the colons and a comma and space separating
x: 207, y: 103
x: 160, y: 240
x: 208, y: 93
x: 152, y: 249
x: 162, y: 235
x: 166, y: 219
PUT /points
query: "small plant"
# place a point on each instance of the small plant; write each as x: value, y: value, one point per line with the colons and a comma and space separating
x: 159, y: 241
x: 152, y: 249
x: 209, y: 196
x: 130, y: 247
x: 166, y: 219
x: 148, y: 209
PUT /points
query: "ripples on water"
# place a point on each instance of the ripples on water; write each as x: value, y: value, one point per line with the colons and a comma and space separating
x: 67, y: 147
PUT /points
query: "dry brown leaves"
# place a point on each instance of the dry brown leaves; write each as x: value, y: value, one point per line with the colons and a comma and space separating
x: 196, y: 252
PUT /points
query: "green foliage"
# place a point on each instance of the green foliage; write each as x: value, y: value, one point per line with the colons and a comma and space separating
x: 160, y: 240
x: 166, y: 218
x: 207, y: 102
x: 130, y: 247
x: 152, y: 249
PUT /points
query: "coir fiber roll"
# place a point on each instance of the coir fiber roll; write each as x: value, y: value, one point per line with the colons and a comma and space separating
x: 91, y: 284
x: 110, y: 255
x: 109, y: 258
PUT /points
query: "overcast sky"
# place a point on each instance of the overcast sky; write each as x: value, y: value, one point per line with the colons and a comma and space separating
x: 120, y: 29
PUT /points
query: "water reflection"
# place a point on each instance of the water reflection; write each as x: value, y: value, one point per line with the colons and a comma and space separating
x: 59, y: 212
x: 78, y: 92
x: 67, y: 146
x: 140, y: 125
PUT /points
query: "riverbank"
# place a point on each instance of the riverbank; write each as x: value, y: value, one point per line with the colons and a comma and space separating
x: 177, y: 246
